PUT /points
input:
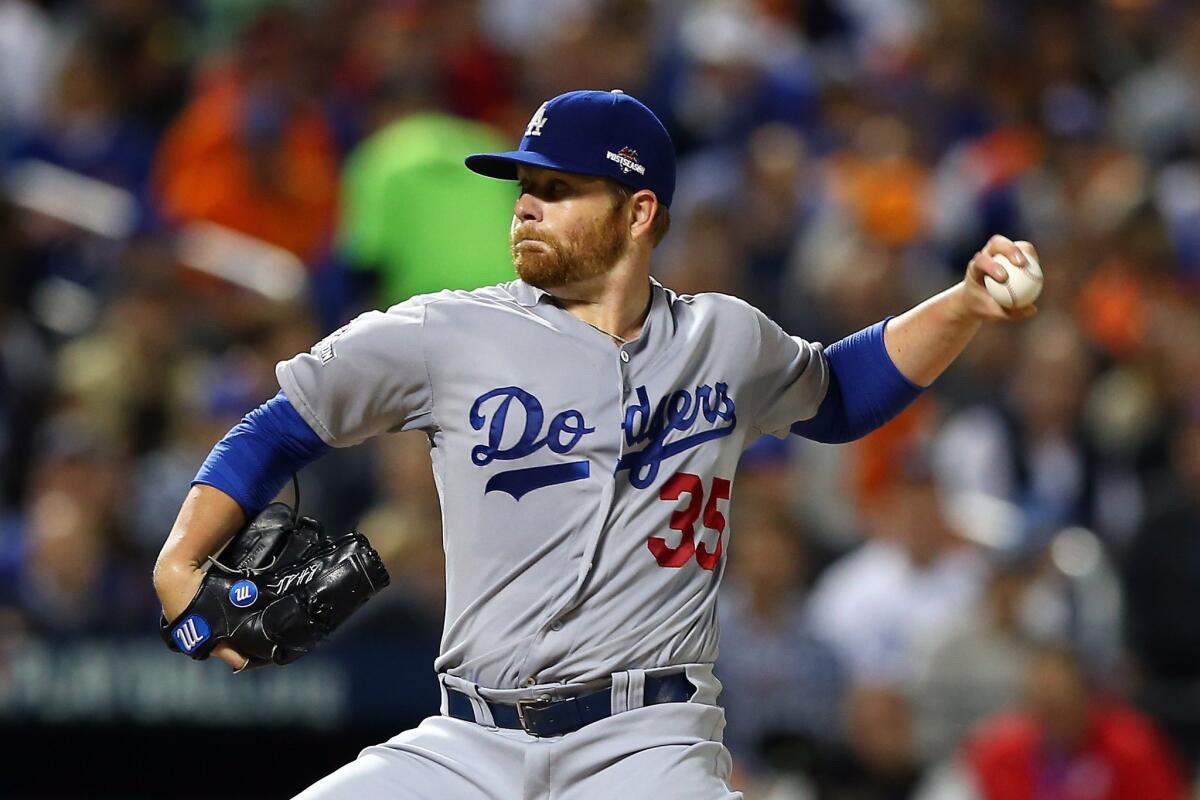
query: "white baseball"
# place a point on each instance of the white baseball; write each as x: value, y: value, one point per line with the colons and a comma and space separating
x: 1023, y: 286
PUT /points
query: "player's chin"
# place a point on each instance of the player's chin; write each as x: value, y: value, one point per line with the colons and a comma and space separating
x: 537, y: 267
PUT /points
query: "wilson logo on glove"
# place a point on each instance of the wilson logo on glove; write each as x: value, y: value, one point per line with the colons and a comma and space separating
x: 243, y: 594
x: 191, y: 633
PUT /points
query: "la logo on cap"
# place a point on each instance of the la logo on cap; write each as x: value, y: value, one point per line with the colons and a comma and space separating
x: 534, y: 128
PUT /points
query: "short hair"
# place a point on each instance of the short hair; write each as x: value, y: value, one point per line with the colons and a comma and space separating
x: 662, y: 218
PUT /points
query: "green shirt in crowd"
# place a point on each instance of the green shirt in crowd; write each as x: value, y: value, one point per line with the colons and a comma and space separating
x: 414, y: 213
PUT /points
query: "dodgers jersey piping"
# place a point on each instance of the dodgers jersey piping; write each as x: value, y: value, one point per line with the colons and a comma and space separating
x: 589, y: 482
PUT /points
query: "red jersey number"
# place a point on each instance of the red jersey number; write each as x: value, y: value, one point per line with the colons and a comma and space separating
x: 684, y: 520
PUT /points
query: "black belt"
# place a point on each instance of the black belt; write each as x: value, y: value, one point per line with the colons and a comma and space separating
x: 556, y: 717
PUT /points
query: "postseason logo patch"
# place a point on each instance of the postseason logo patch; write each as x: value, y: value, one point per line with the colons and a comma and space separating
x: 324, y: 348
x: 627, y: 160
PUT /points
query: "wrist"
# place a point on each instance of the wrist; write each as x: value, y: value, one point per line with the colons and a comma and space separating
x: 958, y: 303
x: 176, y: 584
x: 964, y: 306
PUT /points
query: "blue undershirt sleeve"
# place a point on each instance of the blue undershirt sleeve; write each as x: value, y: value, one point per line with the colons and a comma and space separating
x: 254, y: 461
x: 865, y: 389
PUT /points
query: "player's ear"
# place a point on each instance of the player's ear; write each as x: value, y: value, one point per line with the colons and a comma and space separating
x: 643, y: 207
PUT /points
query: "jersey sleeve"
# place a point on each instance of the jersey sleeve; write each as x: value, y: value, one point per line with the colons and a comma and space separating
x: 366, y: 378
x: 790, y: 380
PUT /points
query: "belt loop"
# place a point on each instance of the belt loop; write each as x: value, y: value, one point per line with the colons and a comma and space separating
x: 483, y: 714
x: 636, y: 693
x: 620, y: 692
x: 444, y: 707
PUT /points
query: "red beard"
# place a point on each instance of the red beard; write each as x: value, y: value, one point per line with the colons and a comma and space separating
x: 557, y: 262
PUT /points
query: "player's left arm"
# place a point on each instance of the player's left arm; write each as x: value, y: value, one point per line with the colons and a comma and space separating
x: 876, y: 373
x: 923, y: 341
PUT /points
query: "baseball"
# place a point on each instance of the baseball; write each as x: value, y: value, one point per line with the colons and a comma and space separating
x: 1023, y: 286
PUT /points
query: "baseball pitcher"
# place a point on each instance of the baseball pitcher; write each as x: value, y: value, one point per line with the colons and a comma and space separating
x: 585, y: 425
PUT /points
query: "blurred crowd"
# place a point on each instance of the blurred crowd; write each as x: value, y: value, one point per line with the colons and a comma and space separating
x: 991, y: 597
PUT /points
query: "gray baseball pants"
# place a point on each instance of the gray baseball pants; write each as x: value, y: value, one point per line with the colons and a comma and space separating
x: 657, y: 752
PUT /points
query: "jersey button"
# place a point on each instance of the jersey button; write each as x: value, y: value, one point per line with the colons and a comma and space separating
x: 556, y: 625
x: 531, y: 681
x: 624, y: 357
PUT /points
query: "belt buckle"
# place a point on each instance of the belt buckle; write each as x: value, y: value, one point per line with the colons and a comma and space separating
x: 535, y: 704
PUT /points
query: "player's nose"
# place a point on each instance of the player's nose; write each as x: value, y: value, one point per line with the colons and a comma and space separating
x: 528, y: 208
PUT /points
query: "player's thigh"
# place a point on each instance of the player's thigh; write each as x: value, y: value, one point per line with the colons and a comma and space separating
x: 654, y: 753
x: 440, y: 758
x: 696, y: 771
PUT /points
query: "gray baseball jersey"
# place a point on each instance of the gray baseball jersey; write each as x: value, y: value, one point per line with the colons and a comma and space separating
x: 584, y: 485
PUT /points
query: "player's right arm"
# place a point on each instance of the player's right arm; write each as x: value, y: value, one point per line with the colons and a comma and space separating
x: 206, y: 521
x: 367, y: 378
x: 242, y: 474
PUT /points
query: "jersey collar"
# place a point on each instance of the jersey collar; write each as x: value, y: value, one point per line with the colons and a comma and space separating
x: 526, y: 295
x: 659, y: 322
x: 529, y: 296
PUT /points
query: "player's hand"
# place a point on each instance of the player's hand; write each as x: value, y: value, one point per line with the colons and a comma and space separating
x: 176, y: 586
x: 977, y: 301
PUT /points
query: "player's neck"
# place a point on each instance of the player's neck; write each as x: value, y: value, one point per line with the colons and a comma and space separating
x: 615, y: 302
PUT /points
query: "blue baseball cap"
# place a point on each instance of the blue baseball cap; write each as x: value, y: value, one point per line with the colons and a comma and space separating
x: 608, y: 134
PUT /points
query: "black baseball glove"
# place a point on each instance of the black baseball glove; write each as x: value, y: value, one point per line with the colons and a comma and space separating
x: 281, y: 586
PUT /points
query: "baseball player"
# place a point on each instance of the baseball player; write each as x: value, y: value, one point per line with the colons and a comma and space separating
x: 585, y: 425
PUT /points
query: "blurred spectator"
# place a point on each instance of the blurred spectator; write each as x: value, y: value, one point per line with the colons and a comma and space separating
x: 69, y: 582
x: 1154, y: 107
x: 1162, y: 584
x: 779, y: 679
x: 1070, y: 742
x: 27, y: 52
x: 26, y: 380
x: 881, y: 183
x: 880, y: 762
x: 706, y: 257
x: 253, y: 151
x: 974, y: 669
x: 65, y: 570
x: 773, y: 190
x: 83, y: 128
x: 1116, y: 301
x: 1030, y: 447
x: 733, y: 69
x: 597, y: 44
x: 911, y: 579
x: 414, y: 214
x: 148, y: 48
x: 121, y: 375
x: 477, y: 77
x: 776, y: 197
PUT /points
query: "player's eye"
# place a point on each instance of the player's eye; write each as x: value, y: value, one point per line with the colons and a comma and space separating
x: 545, y: 190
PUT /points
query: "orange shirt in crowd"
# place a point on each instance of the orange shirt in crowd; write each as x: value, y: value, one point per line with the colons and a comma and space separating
x: 283, y: 193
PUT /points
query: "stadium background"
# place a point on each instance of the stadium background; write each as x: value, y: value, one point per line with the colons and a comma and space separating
x: 194, y: 190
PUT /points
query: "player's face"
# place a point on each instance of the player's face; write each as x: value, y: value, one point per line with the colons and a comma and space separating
x: 566, y: 227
